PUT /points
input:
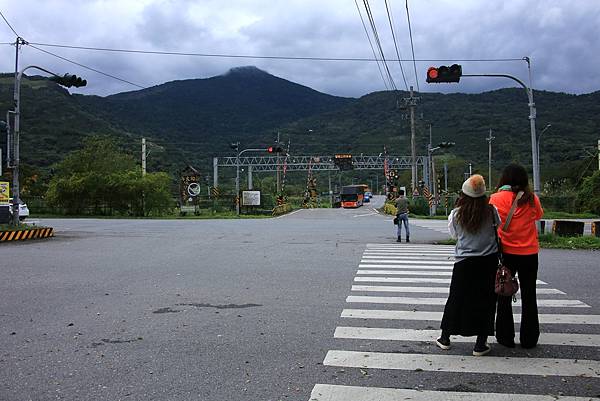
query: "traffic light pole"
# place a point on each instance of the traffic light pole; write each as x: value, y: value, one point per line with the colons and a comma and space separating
x: 532, y: 117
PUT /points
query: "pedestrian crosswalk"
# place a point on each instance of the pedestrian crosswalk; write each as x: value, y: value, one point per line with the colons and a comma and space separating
x: 398, y: 296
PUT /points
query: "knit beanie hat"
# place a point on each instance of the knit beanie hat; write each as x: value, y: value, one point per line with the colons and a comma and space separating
x: 474, y: 186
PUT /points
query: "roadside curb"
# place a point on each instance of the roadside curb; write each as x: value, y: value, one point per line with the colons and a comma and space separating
x: 22, y: 235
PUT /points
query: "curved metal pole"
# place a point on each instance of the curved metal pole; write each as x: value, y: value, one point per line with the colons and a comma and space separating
x: 532, y: 117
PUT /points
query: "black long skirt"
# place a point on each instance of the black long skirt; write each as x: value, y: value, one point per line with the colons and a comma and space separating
x: 471, y: 304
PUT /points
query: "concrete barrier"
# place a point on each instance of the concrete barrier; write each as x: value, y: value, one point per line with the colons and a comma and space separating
x: 566, y: 228
x: 22, y: 235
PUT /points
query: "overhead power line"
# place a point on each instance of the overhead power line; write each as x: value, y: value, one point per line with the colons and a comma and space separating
x: 254, y: 56
x: 370, y: 43
x: 378, y: 43
x: 412, y: 47
x: 390, y: 19
x: 9, y: 25
x: 87, y: 67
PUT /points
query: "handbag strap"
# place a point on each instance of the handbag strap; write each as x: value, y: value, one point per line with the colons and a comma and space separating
x: 512, y: 210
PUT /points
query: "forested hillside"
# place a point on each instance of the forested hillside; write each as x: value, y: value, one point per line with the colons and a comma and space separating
x: 191, y: 121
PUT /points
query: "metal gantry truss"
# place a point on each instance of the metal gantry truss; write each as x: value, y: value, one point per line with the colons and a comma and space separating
x: 315, y: 163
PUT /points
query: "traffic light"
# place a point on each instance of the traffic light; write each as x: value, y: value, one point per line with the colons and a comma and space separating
x: 443, y: 74
x: 69, y: 80
x: 275, y: 149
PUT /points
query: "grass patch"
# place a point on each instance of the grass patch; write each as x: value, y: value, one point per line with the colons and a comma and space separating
x: 564, y: 215
x: 551, y: 241
x: 555, y: 242
x: 22, y: 226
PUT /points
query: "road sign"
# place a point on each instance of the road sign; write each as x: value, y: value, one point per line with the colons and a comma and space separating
x: 251, y: 198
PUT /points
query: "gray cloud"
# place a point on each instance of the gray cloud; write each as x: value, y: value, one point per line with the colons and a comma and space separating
x: 559, y: 36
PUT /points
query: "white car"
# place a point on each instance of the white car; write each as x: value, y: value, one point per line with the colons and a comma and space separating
x: 23, y: 209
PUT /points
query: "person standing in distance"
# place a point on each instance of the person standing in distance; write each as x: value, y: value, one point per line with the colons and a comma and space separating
x: 402, y: 215
x: 471, y: 303
x: 520, y: 249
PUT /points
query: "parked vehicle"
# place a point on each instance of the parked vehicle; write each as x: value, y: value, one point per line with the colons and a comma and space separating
x: 23, y: 209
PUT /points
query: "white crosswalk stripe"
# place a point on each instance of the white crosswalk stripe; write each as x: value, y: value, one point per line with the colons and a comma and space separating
x: 436, y: 290
x: 336, y: 392
x: 458, y: 363
x: 376, y: 333
x: 402, y: 277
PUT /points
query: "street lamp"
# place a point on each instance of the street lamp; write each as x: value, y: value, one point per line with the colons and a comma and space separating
x: 540, y: 137
x: 430, y: 150
x: 13, y: 159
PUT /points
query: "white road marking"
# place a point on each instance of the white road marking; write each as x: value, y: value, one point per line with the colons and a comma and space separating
x: 385, y: 259
x: 433, y: 290
x: 412, y: 280
x: 405, y: 272
x: 460, y: 363
x: 541, y: 303
x: 335, y: 392
x: 382, y: 314
x: 394, y: 266
x: 372, y: 333
x: 410, y: 259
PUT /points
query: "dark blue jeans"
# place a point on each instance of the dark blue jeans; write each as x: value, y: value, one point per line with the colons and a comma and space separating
x: 403, y: 219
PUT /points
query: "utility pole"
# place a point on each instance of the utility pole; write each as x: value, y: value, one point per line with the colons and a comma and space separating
x: 411, y: 102
x: 143, y: 156
x: 598, y: 154
x: 278, y: 173
x: 490, y: 139
x: 14, y: 157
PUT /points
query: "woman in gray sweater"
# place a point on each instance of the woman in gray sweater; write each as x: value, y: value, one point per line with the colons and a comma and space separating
x: 471, y: 304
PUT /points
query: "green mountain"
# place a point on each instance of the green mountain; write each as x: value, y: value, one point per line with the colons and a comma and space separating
x: 190, y: 121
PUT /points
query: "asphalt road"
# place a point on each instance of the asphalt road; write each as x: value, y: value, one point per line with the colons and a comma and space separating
x: 226, y: 310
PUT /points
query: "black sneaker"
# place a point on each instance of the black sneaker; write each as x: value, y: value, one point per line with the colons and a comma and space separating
x: 443, y: 343
x: 481, y: 350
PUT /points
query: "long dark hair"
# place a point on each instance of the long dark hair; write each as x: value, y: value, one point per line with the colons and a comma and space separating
x: 515, y: 175
x: 473, y: 213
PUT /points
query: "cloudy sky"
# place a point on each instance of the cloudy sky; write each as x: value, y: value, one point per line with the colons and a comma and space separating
x: 560, y: 37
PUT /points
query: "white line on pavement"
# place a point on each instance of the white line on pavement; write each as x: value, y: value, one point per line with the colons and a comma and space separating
x: 558, y: 318
x: 541, y: 303
x: 436, y: 290
x: 395, y: 266
x: 405, y: 272
x: 335, y: 392
x: 460, y: 363
x: 412, y: 280
x: 373, y: 333
x: 385, y: 259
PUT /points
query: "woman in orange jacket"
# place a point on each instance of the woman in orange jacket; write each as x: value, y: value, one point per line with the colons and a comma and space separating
x: 520, y: 250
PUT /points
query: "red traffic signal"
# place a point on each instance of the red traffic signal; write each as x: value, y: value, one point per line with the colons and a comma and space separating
x: 444, y: 74
x: 275, y: 149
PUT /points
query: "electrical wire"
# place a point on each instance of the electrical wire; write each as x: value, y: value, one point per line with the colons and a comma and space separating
x: 378, y: 43
x: 253, y: 56
x: 395, y: 44
x: 370, y: 43
x: 9, y: 25
x: 86, y: 67
x: 412, y: 47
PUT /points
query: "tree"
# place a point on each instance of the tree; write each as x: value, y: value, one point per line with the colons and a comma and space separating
x: 589, y: 194
x: 101, y: 179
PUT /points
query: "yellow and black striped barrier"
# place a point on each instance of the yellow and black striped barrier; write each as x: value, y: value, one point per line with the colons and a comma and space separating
x: 22, y: 235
